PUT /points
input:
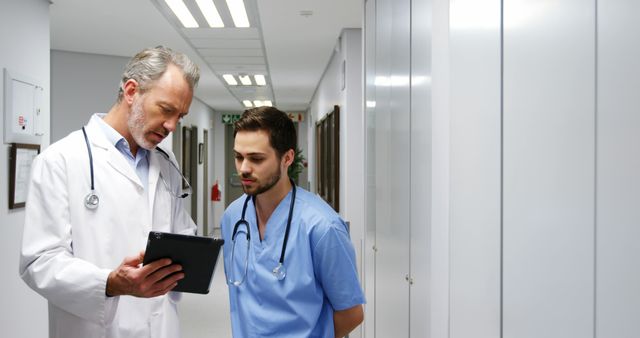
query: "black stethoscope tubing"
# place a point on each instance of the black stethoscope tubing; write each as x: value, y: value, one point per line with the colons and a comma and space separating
x: 86, y: 140
x: 91, y: 201
x: 242, y: 221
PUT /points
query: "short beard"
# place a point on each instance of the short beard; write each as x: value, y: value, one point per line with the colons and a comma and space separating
x: 265, y: 187
x: 136, y: 125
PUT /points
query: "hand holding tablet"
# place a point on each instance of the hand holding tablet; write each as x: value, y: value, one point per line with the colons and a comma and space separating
x: 197, y: 255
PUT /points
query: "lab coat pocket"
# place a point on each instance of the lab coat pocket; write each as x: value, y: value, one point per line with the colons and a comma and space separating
x: 164, y: 321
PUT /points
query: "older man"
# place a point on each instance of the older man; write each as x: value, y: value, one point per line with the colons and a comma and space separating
x: 93, y: 198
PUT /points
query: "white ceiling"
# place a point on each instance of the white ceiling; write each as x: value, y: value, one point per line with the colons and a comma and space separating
x: 297, y: 47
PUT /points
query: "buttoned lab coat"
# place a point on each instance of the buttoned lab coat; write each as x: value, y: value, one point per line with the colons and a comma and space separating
x: 68, y: 250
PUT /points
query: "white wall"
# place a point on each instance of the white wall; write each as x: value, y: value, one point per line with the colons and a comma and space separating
x: 548, y: 169
x: 618, y: 169
x: 330, y: 92
x: 439, y: 244
x: 81, y: 85
x: 24, y: 37
x: 475, y: 172
x: 531, y: 214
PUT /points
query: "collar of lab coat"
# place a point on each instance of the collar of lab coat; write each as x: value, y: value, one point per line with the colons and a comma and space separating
x: 99, y: 142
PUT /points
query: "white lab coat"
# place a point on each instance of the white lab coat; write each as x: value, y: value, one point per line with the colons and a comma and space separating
x: 69, y: 250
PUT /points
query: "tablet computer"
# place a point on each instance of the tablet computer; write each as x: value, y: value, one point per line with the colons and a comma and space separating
x: 197, y: 255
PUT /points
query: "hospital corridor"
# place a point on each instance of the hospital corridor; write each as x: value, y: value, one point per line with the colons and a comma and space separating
x: 483, y: 154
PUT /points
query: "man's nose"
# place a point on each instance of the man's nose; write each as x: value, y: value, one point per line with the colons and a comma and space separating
x: 171, y: 124
x: 244, y: 167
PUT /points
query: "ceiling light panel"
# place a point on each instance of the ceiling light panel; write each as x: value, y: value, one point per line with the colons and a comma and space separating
x: 260, y: 80
x: 247, y: 103
x: 229, y: 51
x: 231, y: 81
x: 267, y: 103
x: 210, y: 12
x: 245, y: 80
x: 182, y: 13
x: 238, y: 13
x: 258, y: 103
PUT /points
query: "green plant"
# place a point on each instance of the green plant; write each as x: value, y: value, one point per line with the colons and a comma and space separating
x: 297, y: 165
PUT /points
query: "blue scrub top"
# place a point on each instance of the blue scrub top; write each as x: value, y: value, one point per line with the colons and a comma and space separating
x: 320, y: 264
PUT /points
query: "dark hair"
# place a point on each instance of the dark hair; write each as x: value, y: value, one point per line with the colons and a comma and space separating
x: 282, y: 132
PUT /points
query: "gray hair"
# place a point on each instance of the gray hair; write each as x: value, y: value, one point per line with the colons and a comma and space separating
x: 148, y: 66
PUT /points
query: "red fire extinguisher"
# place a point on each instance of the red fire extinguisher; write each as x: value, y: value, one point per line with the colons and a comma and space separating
x: 215, y: 192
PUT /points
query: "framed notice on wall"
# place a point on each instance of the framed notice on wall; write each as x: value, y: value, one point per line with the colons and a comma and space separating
x: 22, y: 156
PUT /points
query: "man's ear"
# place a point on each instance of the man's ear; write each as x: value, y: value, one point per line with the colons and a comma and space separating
x: 129, y: 90
x: 288, y: 157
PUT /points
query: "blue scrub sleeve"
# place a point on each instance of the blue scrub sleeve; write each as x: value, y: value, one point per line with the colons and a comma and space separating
x: 335, y: 268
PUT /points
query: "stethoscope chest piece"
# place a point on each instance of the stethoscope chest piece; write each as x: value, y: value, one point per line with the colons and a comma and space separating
x: 279, y: 272
x: 91, y: 201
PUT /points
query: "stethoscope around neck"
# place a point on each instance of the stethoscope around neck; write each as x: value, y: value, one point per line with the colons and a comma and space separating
x: 91, y: 201
x: 279, y: 272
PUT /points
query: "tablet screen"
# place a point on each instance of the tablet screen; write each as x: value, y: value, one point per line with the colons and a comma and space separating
x: 196, y: 254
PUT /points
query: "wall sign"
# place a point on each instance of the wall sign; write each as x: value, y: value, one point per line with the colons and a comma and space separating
x: 23, y: 109
x: 22, y: 156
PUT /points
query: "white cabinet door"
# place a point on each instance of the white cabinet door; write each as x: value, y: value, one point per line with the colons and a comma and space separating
x: 549, y: 168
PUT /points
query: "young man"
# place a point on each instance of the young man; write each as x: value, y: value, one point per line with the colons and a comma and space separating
x: 93, y: 198
x: 289, y: 262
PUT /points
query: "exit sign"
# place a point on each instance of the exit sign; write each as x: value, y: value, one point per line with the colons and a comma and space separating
x: 230, y: 118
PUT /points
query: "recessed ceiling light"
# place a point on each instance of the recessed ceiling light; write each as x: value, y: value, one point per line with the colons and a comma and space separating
x: 247, y: 103
x: 245, y: 80
x: 238, y: 13
x: 258, y: 103
x: 210, y: 12
x: 182, y: 12
x: 267, y: 103
x: 231, y: 81
x: 260, y: 80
